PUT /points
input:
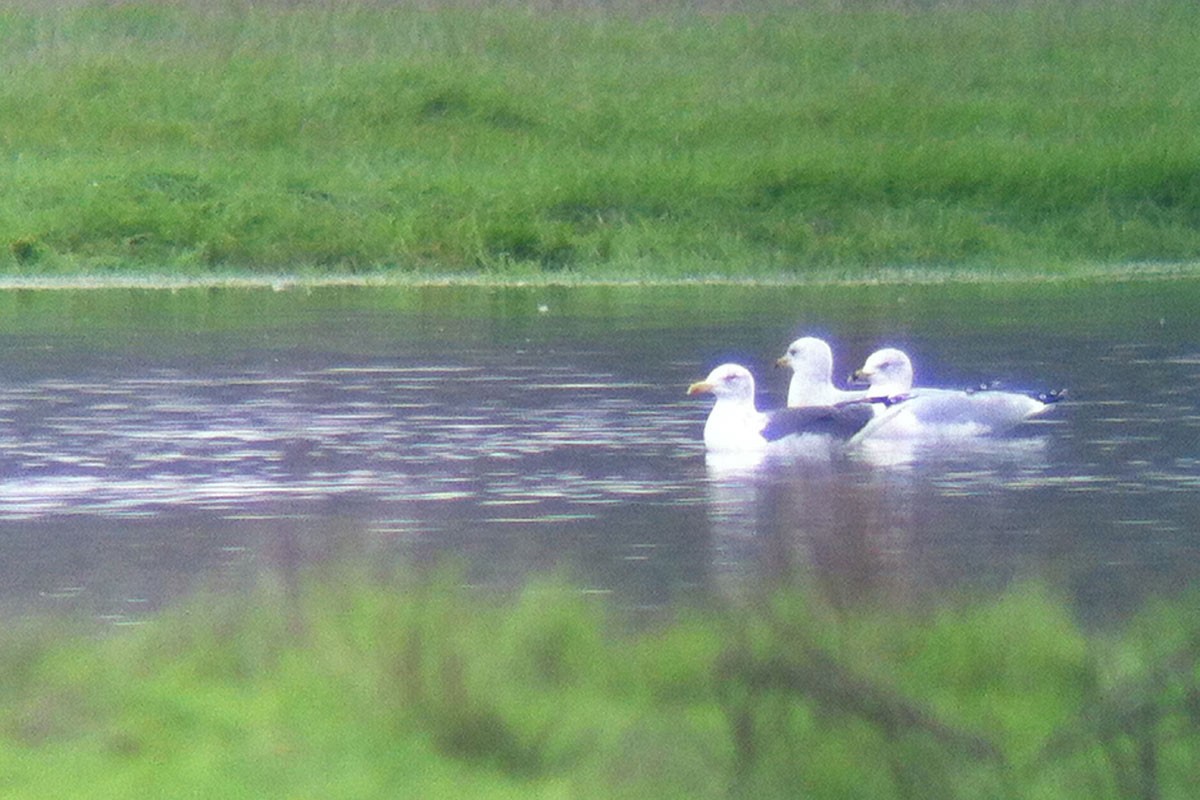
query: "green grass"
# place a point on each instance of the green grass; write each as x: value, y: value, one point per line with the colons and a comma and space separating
x: 771, y: 140
x: 353, y: 685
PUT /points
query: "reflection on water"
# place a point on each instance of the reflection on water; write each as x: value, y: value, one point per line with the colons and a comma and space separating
x: 857, y: 515
x: 139, y: 461
x: 166, y: 443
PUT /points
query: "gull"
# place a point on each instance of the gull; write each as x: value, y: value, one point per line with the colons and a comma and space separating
x: 736, y: 424
x: 811, y: 361
x: 902, y: 411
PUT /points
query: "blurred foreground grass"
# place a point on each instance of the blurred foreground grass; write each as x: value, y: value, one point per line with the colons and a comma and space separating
x: 348, y: 685
x: 623, y: 139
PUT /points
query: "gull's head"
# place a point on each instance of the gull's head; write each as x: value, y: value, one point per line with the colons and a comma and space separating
x: 888, y: 371
x: 728, y: 381
x: 808, y: 357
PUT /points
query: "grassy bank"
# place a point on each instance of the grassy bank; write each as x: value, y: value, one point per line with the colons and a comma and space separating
x: 352, y: 686
x: 512, y: 139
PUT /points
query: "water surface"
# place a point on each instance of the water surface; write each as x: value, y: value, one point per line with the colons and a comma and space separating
x: 155, y: 441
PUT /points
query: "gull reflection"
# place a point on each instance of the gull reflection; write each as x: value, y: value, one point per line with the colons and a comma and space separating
x: 847, y: 519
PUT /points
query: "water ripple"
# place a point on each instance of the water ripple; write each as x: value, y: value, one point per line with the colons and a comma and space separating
x: 140, y: 445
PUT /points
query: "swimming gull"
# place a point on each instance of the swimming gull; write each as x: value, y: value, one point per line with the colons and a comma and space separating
x: 928, y: 412
x: 736, y: 424
x: 811, y: 362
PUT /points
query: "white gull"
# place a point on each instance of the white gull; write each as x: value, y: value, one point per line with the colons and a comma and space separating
x: 811, y: 361
x: 908, y: 412
x: 736, y: 424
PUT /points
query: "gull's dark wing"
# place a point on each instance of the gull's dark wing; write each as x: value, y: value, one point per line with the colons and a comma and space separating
x: 840, y: 421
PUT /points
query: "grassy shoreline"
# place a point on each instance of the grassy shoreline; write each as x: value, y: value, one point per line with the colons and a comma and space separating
x: 285, y: 281
x: 768, y: 142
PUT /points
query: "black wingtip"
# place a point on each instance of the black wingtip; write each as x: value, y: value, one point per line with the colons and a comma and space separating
x: 1048, y: 398
x: 885, y: 400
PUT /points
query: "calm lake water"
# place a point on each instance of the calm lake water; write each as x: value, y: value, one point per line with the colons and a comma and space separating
x: 152, y: 441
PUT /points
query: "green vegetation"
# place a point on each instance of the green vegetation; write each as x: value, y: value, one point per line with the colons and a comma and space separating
x: 352, y: 685
x: 645, y: 139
